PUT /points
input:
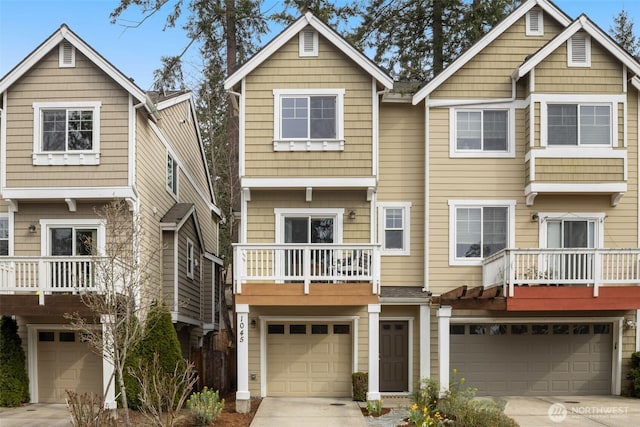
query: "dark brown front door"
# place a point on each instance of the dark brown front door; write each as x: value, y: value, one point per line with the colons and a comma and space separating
x: 394, y: 355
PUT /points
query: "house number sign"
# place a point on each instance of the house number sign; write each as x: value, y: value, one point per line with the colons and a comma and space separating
x: 243, y: 328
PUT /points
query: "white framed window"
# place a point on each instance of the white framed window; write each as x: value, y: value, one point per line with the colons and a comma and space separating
x: 190, y: 258
x: 72, y: 237
x: 579, y: 50
x: 394, y: 227
x: 534, y: 23
x: 308, y: 43
x: 571, y: 229
x: 308, y: 226
x: 66, y: 55
x: 4, y: 234
x: 579, y: 124
x: 481, y: 132
x: 479, y: 228
x: 172, y: 175
x: 308, y: 120
x: 66, y: 133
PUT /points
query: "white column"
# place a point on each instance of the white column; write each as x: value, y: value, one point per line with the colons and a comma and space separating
x: 108, y: 371
x: 374, y: 352
x: 444, y: 317
x: 243, y: 402
x: 425, y: 341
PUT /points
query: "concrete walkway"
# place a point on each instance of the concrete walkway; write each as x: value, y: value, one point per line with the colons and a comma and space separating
x: 308, y: 412
x: 36, y: 415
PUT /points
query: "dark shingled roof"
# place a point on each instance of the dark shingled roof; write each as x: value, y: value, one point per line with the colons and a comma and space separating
x: 176, y: 213
x: 403, y: 292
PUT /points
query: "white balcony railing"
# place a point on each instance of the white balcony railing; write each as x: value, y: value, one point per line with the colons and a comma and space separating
x: 48, y: 275
x: 296, y: 263
x: 578, y: 267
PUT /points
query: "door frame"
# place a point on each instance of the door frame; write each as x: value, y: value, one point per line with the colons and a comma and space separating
x: 303, y: 319
x: 409, y: 320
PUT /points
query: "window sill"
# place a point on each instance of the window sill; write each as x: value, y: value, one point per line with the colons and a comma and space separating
x: 482, y: 154
x: 309, y: 145
x: 66, y: 159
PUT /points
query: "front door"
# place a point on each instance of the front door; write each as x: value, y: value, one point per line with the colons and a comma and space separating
x: 394, y: 356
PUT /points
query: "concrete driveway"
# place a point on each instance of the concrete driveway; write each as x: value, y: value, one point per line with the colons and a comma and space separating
x: 570, y: 411
x: 308, y: 411
x: 36, y: 415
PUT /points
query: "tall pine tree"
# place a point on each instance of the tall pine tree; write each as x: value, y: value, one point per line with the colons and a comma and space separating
x: 622, y: 32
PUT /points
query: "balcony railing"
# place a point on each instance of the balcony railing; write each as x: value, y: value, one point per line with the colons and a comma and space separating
x: 314, y: 263
x: 48, y: 275
x: 573, y: 267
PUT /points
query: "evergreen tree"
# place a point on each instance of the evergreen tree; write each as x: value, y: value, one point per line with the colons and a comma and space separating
x: 14, y: 382
x: 622, y: 32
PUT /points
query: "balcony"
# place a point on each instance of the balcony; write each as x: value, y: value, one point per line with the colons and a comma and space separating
x: 48, y: 275
x: 327, y: 270
x: 565, y: 278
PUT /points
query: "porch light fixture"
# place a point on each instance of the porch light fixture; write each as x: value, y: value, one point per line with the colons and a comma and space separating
x: 253, y: 323
x: 352, y: 214
x: 32, y: 228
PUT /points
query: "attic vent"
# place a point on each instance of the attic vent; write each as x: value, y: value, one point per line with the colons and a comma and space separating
x: 67, y: 55
x: 308, y: 43
x: 579, y: 51
x: 534, y: 23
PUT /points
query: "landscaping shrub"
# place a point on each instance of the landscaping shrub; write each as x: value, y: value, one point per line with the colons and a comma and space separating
x: 87, y: 410
x: 14, y: 382
x: 634, y: 375
x: 360, y: 381
x: 205, y: 406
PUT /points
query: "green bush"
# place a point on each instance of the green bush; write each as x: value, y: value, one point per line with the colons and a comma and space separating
x: 14, y: 382
x: 634, y: 375
x: 205, y: 406
x: 360, y: 381
x: 160, y: 336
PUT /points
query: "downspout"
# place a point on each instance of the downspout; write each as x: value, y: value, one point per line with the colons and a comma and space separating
x: 426, y: 195
x: 376, y: 162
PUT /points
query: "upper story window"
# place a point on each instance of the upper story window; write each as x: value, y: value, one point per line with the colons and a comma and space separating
x: 308, y: 120
x: 66, y: 133
x: 4, y: 234
x: 190, y: 258
x: 172, y: 175
x: 394, y: 227
x: 70, y: 237
x: 481, y: 133
x: 579, y: 124
x: 579, y: 51
x: 478, y: 229
x: 534, y: 23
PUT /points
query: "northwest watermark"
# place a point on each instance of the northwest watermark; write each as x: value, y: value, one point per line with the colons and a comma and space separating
x: 559, y: 412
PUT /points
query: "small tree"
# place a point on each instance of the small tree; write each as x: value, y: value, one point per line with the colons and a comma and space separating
x: 124, y: 281
x: 14, y: 382
x: 622, y: 32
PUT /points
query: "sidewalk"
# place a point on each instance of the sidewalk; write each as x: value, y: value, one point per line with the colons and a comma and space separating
x: 36, y: 415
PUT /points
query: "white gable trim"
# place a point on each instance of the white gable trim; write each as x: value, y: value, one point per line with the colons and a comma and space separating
x: 292, y: 31
x: 582, y: 23
x: 64, y: 33
x: 519, y: 13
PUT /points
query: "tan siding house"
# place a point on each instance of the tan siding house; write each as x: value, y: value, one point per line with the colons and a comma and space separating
x: 76, y: 135
x: 490, y: 215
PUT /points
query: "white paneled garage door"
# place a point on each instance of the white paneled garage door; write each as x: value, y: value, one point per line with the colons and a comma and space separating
x: 533, y: 359
x: 66, y: 363
x: 309, y: 359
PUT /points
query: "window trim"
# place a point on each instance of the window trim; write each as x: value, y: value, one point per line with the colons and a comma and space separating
x: 406, y: 236
x: 308, y: 144
x: 282, y: 213
x: 301, y: 39
x: 47, y: 224
x: 175, y: 174
x: 545, y: 217
x: 71, y: 158
x: 540, y: 30
x: 61, y: 55
x: 453, y: 129
x: 190, y: 258
x: 595, y: 100
x: 587, y: 45
x: 454, y: 204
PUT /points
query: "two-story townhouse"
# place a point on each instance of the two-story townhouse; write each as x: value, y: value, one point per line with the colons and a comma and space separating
x: 75, y: 135
x: 492, y: 214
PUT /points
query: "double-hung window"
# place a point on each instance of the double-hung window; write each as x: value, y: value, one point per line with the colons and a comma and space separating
x: 579, y: 124
x: 66, y: 133
x: 480, y: 132
x: 308, y: 120
x: 4, y: 234
x: 394, y: 227
x: 478, y: 229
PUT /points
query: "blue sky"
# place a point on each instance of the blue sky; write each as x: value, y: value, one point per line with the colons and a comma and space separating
x: 24, y: 24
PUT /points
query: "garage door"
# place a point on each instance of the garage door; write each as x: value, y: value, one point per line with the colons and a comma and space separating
x: 66, y: 363
x: 309, y: 359
x: 533, y: 359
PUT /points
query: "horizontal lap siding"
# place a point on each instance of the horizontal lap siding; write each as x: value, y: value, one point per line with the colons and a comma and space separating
x: 402, y: 180
x: 478, y: 80
x: 579, y: 170
x: 46, y: 82
x: 330, y: 70
x: 189, y: 289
